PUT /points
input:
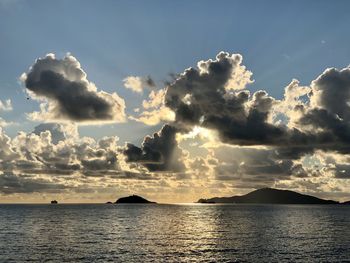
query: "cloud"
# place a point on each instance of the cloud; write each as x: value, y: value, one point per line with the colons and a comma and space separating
x: 67, y: 93
x: 315, y: 117
x: 37, y: 156
x: 243, y: 167
x: 155, y: 116
x: 59, y: 132
x: 212, y: 96
x: 11, y: 183
x: 4, y: 123
x: 6, y: 105
x: 157, y: 153
x: 306, y: 120
x: 331, y: 91
x: 219, y: 137
x: 327, y: 114
x: 54, y: 158
x: 154, y: 110
x: 149, y: 82
x: 137, y: 84
x: 155, y: 99
x: 257, y: 166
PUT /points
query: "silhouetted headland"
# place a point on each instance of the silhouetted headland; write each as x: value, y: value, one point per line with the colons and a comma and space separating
x: 269, y: 196
x: 133, y: 199
x: 54, y: 202
x: 346, y: 203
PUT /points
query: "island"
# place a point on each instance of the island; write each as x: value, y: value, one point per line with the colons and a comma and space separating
x: 53, y: 202
x: 269, y: 196
x: 133, y: 199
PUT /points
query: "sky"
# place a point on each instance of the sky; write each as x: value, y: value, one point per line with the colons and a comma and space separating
x: 173, y: 100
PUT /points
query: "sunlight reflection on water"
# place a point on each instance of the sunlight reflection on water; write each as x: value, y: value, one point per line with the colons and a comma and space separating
x: 175, y: 233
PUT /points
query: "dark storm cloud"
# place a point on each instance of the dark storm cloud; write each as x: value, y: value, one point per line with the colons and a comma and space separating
x: 329, y: 113
x: 335, y: 129
x: 157, y: 153
x: 252, y: 129
x: 71, y: 96
x: 331, y: 91
x: 202, y: 97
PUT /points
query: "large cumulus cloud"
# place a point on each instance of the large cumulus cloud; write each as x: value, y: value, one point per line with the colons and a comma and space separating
x: 159, y: 152
x: 68, y: 94
x: 208, y: 96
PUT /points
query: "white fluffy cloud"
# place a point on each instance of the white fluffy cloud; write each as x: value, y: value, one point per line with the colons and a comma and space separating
x: 154, y: 111
x: 137, y: 84
x: 53, y: 158
x: 133, y: 83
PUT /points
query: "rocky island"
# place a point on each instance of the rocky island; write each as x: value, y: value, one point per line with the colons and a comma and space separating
x: 133, y: 199
x: 269, y: 196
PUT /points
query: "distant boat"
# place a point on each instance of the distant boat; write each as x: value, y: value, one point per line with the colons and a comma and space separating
x: 54, y: 202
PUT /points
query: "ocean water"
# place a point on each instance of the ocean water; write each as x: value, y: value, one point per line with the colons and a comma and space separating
x: 174, y: 233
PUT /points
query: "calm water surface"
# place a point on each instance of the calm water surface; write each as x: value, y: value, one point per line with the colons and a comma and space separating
x: 174, y: 233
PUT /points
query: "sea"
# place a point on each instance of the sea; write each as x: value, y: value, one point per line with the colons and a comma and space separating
x: 174, y: 233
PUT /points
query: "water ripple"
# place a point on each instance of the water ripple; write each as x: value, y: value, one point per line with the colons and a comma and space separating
x: 174, y: 233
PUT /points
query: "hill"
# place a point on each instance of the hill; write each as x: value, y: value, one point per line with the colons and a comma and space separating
x: 133, y: 199
x: 269, y: 196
